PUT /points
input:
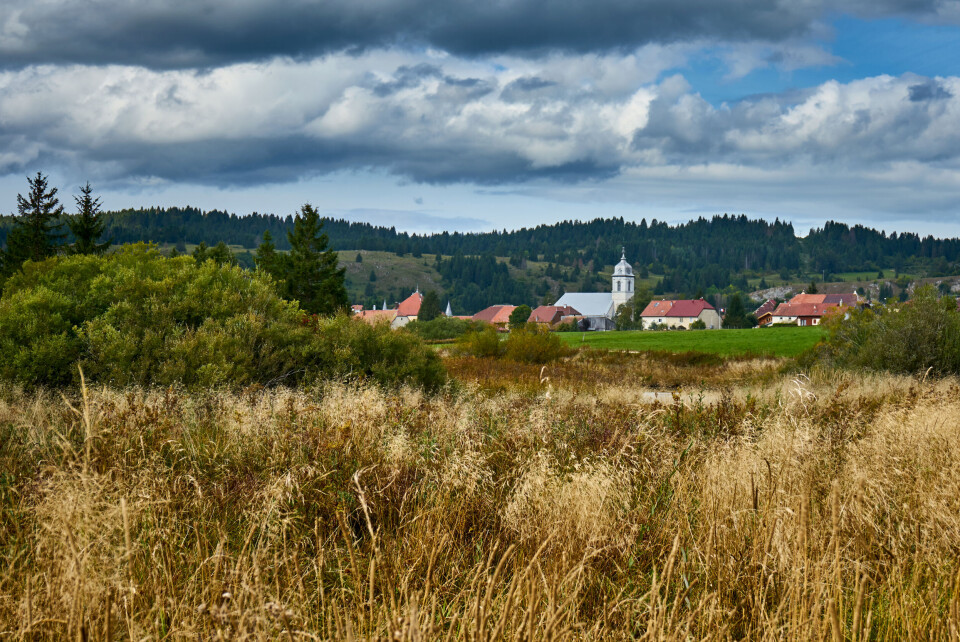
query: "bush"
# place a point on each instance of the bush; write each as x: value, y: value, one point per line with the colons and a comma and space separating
x: 907, y: 338
x: 480, y: 343
x: 443, y: 328
x: 698, y: 325
x: 533, y: 345
x: 137, y: 317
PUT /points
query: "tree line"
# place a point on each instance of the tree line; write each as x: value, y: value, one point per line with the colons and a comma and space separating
x: 308, y: 272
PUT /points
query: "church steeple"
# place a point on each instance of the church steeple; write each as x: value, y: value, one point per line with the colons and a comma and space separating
x: 623, y: 280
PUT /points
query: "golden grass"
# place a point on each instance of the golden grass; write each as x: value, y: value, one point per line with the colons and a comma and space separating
x: 779, y: 508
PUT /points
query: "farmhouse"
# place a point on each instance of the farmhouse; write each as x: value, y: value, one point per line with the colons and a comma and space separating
x: 680, y: 313
x: 764, y: 314
x: 551, y: 315
x: 497, y: 315
x: 599, y: 308
x: 809, y: 309
x: 406, y: 311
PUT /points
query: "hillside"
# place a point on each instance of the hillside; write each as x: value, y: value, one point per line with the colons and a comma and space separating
x: 703, y: 257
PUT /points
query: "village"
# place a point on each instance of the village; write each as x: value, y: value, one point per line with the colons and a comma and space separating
x: 597, y: 311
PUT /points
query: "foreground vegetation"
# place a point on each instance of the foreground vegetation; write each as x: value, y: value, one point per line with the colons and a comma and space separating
x: 775, y: 342
x: 136, y: 317
x: 566, y: 508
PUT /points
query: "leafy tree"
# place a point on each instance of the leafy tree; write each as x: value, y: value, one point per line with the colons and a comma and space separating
x: 87, y: 224
x: 813, y: 287
x: 136, y: 317
x: 313, y: 277
x: 520, y: 316
x: 906, y: 339
x: 625, y: 317
x: 640, y: 301
x: 429, y: 307
x: 36, y: 228
x: 359, y: 258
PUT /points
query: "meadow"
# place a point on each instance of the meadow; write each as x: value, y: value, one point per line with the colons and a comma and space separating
x: 775, y: 342
x: 565, y: 503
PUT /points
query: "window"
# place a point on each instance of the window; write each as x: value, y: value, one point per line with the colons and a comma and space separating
x: 618, y: 286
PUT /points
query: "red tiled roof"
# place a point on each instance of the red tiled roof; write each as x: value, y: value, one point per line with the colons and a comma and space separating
x: 768, y: 306
x: 410, y: 307
x: 680, y: 308
x: 374, y: 316
x: 495, y: 314
x: 689, y: 308
x: 550, y: 313
x: 805, y: 309
x: 803, y: 297
x: 657, y: 309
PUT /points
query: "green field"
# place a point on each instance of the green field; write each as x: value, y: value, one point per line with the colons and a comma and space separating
x: 778, y: 342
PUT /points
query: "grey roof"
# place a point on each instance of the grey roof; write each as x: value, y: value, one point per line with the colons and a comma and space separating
x: 589, y: 304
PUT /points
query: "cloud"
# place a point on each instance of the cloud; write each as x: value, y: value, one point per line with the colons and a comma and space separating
x: 445, y: 121
x: 177, y: 34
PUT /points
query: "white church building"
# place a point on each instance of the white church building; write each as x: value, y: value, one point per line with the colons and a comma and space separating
x: 599, y: 308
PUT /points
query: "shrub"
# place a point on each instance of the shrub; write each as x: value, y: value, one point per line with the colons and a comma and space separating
x: 442, y: 328
x: 480, y: 343
x: 698, y: 325
x: 900, y: 337
x: 533, y: 345
x: 137, y: 317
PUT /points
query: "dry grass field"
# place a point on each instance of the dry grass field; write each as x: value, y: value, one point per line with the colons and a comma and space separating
x: 554, y: 506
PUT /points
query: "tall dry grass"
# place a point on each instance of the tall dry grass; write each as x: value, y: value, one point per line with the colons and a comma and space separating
x: 795, y: 509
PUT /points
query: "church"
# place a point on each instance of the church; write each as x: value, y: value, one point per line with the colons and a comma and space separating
x: 598, y: 309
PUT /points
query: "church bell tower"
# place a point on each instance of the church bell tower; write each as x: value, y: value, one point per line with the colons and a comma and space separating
x: 622, y: 281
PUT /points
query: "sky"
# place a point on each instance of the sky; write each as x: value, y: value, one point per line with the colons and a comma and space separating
x: 436, y: 115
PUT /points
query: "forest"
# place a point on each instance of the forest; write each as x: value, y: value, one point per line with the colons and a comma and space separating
x: 689, y: 259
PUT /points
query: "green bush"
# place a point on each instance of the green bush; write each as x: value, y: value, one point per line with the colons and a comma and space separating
x: 698, y: 325
x: 533, y: 345
x: 442, y: 328
x: 900, y: 337
x: 137, y: 317
x: 480, y: 343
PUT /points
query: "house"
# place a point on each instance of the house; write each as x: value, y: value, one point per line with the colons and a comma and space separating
x: 407, y: 310
x: 496, y: 315
x: 764, y: 314
x: 599, y: 308
x: 550, y: 315
x: 680, y: 313
x: 374, y: 317
x: 809, y: 309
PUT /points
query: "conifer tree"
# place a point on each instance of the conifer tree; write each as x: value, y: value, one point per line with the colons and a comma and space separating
x: 87, y: 224
x: 429, y: 307
x: 267, y: 259
x: 313, y: 277
x: 36, y: 228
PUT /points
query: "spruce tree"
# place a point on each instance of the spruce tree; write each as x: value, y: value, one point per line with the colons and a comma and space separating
x: 267, y: 259
x: 36, y: 228
x: 429, y: 307
x: 87, y: 224
x: 313, y: 277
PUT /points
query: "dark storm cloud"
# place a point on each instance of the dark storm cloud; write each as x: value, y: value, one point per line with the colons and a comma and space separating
x: 201, y: 33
